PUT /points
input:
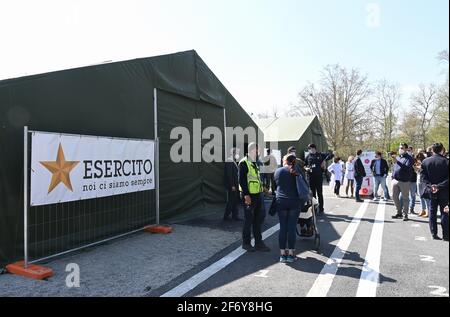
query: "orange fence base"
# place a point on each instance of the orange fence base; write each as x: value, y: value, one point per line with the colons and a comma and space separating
x: 158, y: 229
x: 36, y: 272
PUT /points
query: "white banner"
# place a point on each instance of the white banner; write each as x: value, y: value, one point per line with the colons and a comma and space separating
x: 75, y: 167
x: 367, y: 185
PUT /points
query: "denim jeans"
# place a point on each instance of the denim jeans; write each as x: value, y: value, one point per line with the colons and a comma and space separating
x: 288, y: 212
x: 380, y: 180
x: 426, y: 203
x: 412, y: 196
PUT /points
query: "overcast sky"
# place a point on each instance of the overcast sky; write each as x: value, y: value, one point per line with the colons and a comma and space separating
x: 262, y: 51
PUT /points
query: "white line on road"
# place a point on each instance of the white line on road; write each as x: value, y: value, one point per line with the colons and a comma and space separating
x: 420, y: 239
x: 323, y: 282
x: 369, y: 280
x: 415, y: 225
x: 427, y: 258
x: 262, y: 273
x: 205, y: 274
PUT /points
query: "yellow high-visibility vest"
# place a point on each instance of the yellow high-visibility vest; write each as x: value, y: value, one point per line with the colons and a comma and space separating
x: 253, y: 180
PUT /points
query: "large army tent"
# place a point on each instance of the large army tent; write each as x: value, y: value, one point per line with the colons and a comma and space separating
x: 294, y: 131
x: 116, y: 99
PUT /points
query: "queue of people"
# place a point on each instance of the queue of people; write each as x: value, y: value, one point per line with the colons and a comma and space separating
x: 425, y: 174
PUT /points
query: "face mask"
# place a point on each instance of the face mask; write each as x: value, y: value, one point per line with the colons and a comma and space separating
x: 401, y: 152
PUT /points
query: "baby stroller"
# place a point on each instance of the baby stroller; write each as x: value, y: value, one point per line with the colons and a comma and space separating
x: 306, y: 224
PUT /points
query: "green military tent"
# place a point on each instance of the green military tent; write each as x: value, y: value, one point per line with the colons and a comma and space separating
x: 114, y: 99
x: 294, y: 131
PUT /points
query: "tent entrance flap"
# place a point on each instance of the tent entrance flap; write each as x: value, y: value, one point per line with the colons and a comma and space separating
x: 190, y: 132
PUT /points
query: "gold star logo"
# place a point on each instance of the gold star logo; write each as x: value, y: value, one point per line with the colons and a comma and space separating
x: 60, y: 170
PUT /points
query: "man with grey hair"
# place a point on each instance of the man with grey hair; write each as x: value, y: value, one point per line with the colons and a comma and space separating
x: 251, y: 189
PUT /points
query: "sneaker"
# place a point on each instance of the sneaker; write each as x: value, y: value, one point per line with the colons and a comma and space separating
x: 283, y: 258
x: 412, y: 212
x: 376, y: 199
x: 248, y: 247
x: 425, y: 215
x: 445, y: 239
x: 359, y: 201
x: 405, y: 218
x: 436, y: 237
x: 397, y: 216
x: 262, y: 247
x: 422, y: 213
x: 291, y: 259
x: 385, y: 199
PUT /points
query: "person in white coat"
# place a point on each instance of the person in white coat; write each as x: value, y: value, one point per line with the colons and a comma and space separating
x: 336, y: 171
x: 350, y: 176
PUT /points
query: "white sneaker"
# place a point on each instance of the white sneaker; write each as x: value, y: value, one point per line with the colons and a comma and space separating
x: 384, y: 199
x: 376, y: 199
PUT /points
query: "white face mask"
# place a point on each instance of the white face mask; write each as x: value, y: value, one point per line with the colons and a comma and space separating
x: 401, y: 151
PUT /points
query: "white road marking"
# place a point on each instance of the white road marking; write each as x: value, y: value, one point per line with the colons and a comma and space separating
x: 206, y: 273
x: 369, y: 279
x: 427, y: 258
x: 439, y: 290
x: 323, y: 282
x: 262, y: 273
x: 420, y: 238
x: 415, y: 225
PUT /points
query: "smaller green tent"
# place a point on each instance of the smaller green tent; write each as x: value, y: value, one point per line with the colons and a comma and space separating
x: 295, y: 131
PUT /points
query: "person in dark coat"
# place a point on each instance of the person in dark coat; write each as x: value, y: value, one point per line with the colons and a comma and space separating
x: 360, y: 173
x: 232, y: 186
x: 314, y: 162
x: 434, y: 177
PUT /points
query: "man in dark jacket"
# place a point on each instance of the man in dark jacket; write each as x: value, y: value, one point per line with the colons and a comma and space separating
x: 232, y: 186
x: 401, y: 181
x: 360, y: 173
x: 434, y: 176
x: 380, y: 170
x: 313, y: 163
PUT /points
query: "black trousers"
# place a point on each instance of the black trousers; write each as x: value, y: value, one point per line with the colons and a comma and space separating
x: 253, y: 219
x: 435, y: 205
x: 337, y: 187
x: 315, y: 183
x: 232, y: 207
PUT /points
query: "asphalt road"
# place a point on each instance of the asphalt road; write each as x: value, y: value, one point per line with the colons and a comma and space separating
x: 363, y: 253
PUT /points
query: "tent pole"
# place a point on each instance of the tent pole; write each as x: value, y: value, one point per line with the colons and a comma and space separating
x: 225, y: 134
x: 155, y: 108
x: 25, y: 195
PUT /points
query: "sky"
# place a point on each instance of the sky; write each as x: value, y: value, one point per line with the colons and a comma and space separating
x: 263, y: 51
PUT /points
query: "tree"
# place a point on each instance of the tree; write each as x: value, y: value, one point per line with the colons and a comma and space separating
x: 439, y: 131
x: 424, y: 106
x: 339, y: 100
x: 408, y: 130
x: 385, y: 107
